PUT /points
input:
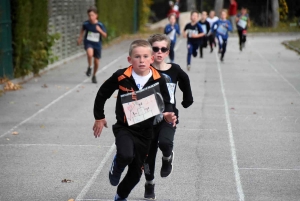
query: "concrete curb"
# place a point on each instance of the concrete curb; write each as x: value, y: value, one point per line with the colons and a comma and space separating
x: 291, y: 47
x: 49, y: 67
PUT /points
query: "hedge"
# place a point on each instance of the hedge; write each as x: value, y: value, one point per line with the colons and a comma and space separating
x: 119, y: 17
x: 32, y: 43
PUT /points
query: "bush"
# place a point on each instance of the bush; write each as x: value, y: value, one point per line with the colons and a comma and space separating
x: 31, y: 41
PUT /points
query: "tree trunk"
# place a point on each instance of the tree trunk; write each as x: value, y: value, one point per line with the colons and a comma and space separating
x: 219, y: 4
x: 275, y: 13
x: 191, y: 5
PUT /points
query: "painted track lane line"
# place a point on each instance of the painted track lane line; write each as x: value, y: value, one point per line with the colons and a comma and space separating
x: 231, y: 139
x: 270, y: 169
x: 60, y: 97
x: 276, y: 71
x: 95, y: 175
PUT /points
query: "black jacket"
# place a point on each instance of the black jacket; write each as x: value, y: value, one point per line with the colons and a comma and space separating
x: 123, y: 81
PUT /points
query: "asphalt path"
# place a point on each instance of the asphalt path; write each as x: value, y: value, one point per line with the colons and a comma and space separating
x: 240, y: 140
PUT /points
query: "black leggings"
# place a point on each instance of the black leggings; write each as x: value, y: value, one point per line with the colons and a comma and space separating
x: 163, y: 138
x: 242, y: 37
x: 132, y: 148
x: 172, y: 54
x: 212, y: 41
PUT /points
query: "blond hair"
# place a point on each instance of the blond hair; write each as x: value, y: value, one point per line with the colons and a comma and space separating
x: 139, y: 43
x: 159, y: 37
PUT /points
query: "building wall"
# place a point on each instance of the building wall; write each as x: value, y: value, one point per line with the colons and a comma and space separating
x: 66, y: 18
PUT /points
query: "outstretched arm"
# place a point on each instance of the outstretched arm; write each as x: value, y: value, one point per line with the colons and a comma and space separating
x: 101, y: 31
x: 79, y: 40
x: 185, y: 87
x: 105, y: 91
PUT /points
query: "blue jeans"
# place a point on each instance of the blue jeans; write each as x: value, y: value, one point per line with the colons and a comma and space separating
x: 192, y: 50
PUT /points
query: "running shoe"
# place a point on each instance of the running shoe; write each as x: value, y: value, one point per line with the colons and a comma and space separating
x: 222, y: 58
x: 94, y: 80
x: 149, y: 192
x: 167, y: 166
x: 188, y: 67
x: 117, y: 198
x: 115, y: 173
x: 195, y: 54
x: 88, y: 72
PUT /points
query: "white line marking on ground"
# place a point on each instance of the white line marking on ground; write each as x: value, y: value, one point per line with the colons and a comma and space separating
x: 52, y: 145
x: 59, y: 98
x: 231, y: 139
x: 269, y: 169
x: 276, y: 71
x: 95, y: 175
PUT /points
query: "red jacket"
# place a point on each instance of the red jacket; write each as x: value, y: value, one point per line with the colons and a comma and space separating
x: 233, y: 9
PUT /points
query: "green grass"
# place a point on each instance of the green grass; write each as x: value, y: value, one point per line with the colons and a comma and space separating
x: 294, y: 43
x: 282, y: 27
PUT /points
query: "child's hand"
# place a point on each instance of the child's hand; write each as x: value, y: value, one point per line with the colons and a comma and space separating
x: 79, y: 41
x: 170, y: 118
x: 98, y: 126
x: 98, y: 28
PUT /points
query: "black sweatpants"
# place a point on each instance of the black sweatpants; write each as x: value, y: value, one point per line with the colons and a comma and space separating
x: 242, y: 37
x: 163, y: 138
x: 202, y: 44
x: 172, y: 53
x: 212, y: 41
x: 132, y: 149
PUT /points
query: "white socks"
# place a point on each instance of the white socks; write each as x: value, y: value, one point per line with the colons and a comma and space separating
x: 150, y: 182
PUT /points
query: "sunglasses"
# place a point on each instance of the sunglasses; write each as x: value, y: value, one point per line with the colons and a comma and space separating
x: 163, y: 49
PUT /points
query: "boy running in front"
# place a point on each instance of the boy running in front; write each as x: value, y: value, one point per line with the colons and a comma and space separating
x: 94, y: 31
x: 193, y: 32
x: 163, y: 131
x: 221, y: 27
x: 139, y: 88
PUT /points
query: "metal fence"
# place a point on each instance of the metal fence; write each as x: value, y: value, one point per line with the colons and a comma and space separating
x: 66, y: 18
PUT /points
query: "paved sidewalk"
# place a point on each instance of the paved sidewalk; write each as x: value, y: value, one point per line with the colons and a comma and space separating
x: 238, y: 141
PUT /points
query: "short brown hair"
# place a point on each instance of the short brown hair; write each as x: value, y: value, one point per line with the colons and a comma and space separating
x: 159, y: 37
x: 139, y: 43
x: 92, y: 9
x: 194, y: 11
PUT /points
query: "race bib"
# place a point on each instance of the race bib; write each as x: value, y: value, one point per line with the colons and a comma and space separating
x: 192, y: 32
x: 172, y: 34
x: 143, y: 104
x: 203, y: 26
x: 171, y: 89
x: 222, y: 30
x: 92, y: 36
x: 242, y: 23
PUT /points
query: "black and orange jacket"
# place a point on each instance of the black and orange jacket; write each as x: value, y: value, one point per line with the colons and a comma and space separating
x: 123, y: 81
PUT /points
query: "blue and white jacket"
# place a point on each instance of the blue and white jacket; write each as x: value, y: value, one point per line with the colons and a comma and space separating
x: 172, y: 32
x: 220, y: 29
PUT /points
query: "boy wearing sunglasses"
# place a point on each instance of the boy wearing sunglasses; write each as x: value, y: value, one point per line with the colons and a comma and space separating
x: 163, y: 131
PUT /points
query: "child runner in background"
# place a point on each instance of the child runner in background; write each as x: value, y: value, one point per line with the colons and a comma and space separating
x: 94, y: 31
x: 163, y: 132
x: 211, y: 36
x: 137, y: 86
x: 172, y: 29
x: 205, y: 28
x: 193, y: 32
x: 243, y: 22
x: 221, y: 28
